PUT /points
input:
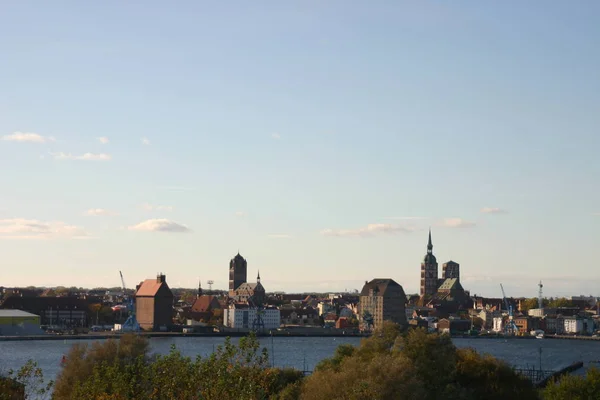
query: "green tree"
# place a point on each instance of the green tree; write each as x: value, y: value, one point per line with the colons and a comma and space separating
x: 560, y: 302
x: 575, y: 387
x: 26, y: 383
x: 529, y: 304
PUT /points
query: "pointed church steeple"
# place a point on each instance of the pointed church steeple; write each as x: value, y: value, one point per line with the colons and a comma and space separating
x: 429, y: 244
x: 258, y: 277
x: 199, y: 288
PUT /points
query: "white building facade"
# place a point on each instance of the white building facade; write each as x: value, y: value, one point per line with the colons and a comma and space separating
x: 498, y: 324
x: 249, y: 318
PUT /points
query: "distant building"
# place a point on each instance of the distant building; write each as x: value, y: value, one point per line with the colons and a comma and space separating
x: 238, y: 269
x: 451, y: 270
x: 59, y: 311
x: 429, y: 271
x: 204, y: 307
x: 242, y: 316
x: 252, y: 293
x: 154, y: 304
x: 452, y: 325
x: 18, y: 322
x: 450, y: 297
x: 578, y: 325
x: 382, y: 300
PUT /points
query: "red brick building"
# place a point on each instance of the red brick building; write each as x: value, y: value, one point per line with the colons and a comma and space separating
x: 154, y: 304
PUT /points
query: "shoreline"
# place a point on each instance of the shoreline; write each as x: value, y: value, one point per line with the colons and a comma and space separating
x: 104, y: 336
x: 111, y: 335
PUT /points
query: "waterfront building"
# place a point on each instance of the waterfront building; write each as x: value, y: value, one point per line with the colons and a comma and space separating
x: 67, y: 311
x: 154, y: 304
x: 242, y: 316
x: 429, y: 271
x: 381, y: 300
x: 18, y: 322
x: 453, y: 325
x: 578, y: 325
x: 498, y: 324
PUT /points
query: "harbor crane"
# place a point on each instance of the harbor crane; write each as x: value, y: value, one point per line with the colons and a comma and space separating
x: 510, y: 328
x: 131, y: 324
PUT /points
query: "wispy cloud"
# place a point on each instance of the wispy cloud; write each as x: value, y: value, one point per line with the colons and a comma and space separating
x: 103, y: 140
x: 369, y: 230
x: 150, y: 207
x: 457, y: 223
x: 493, y: 210
x: 176, y: 188
x: 146, y: 141
x: 96, y: 212
x: 596, y: 214
x: 27, y: 137
x: 83, y: 157
x: 279, y: 236
x: 160, y: 225
x: 406, y: 218
x: 240, y: 214
x: 21, y: 228
x: 276, y: 136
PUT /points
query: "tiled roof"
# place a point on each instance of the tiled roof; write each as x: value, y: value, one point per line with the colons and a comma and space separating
x: 205, y: 303
x: 150, y: 287
x: 449, y: 284
x: 380, y: 286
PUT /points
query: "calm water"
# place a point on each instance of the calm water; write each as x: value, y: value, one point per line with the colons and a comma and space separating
x: 306, y: 352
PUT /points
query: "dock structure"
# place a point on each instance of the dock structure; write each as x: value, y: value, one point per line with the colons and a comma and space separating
x: 541, y: 378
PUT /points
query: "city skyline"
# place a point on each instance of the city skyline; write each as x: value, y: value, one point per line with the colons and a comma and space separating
x: 320, y: 140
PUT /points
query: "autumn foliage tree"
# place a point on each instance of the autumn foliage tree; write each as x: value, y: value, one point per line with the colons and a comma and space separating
x: 413, y: 365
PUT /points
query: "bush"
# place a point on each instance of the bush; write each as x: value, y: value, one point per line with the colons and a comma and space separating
x: 413, y: 365
x: 575, y: 387
x: 115, y: 371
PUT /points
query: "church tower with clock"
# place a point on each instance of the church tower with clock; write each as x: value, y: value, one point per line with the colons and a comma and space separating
x: 429, y: 271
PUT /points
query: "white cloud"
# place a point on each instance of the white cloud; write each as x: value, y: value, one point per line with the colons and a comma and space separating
x: 493, y: 210
x: 150, y: 207
x: 369, y: 230
x: 103, y: 140
x: 457, y: 223
x: 21, y: 228
x: 276, y: 136
x: 84, y: 157
x: 240, y: 214
x: 27, y: 137
x: 406, y: 218
x: 99, y: 212
x: 146, y: 141
x: 176, y: 188
x: 280, y: 236
x: 159, y: 225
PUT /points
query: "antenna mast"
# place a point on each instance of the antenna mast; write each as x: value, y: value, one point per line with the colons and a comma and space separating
x: 540, y: 297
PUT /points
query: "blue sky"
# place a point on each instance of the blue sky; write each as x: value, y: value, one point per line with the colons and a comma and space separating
x: 321, y: 139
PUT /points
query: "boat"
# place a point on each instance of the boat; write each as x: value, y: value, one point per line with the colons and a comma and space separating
x: 539, y: 336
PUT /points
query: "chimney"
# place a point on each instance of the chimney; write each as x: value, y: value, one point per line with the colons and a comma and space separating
x: 161, y: 278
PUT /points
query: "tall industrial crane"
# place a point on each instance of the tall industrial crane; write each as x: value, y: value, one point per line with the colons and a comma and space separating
x: 510, y: 328
x: 131, y: 324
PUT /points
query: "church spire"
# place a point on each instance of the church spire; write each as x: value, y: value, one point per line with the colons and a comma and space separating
x: 429, y: 244
x: 199, y: 288
x: 258, y: 277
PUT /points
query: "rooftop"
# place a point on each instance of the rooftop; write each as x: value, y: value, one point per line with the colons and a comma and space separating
x: 15, y: 314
